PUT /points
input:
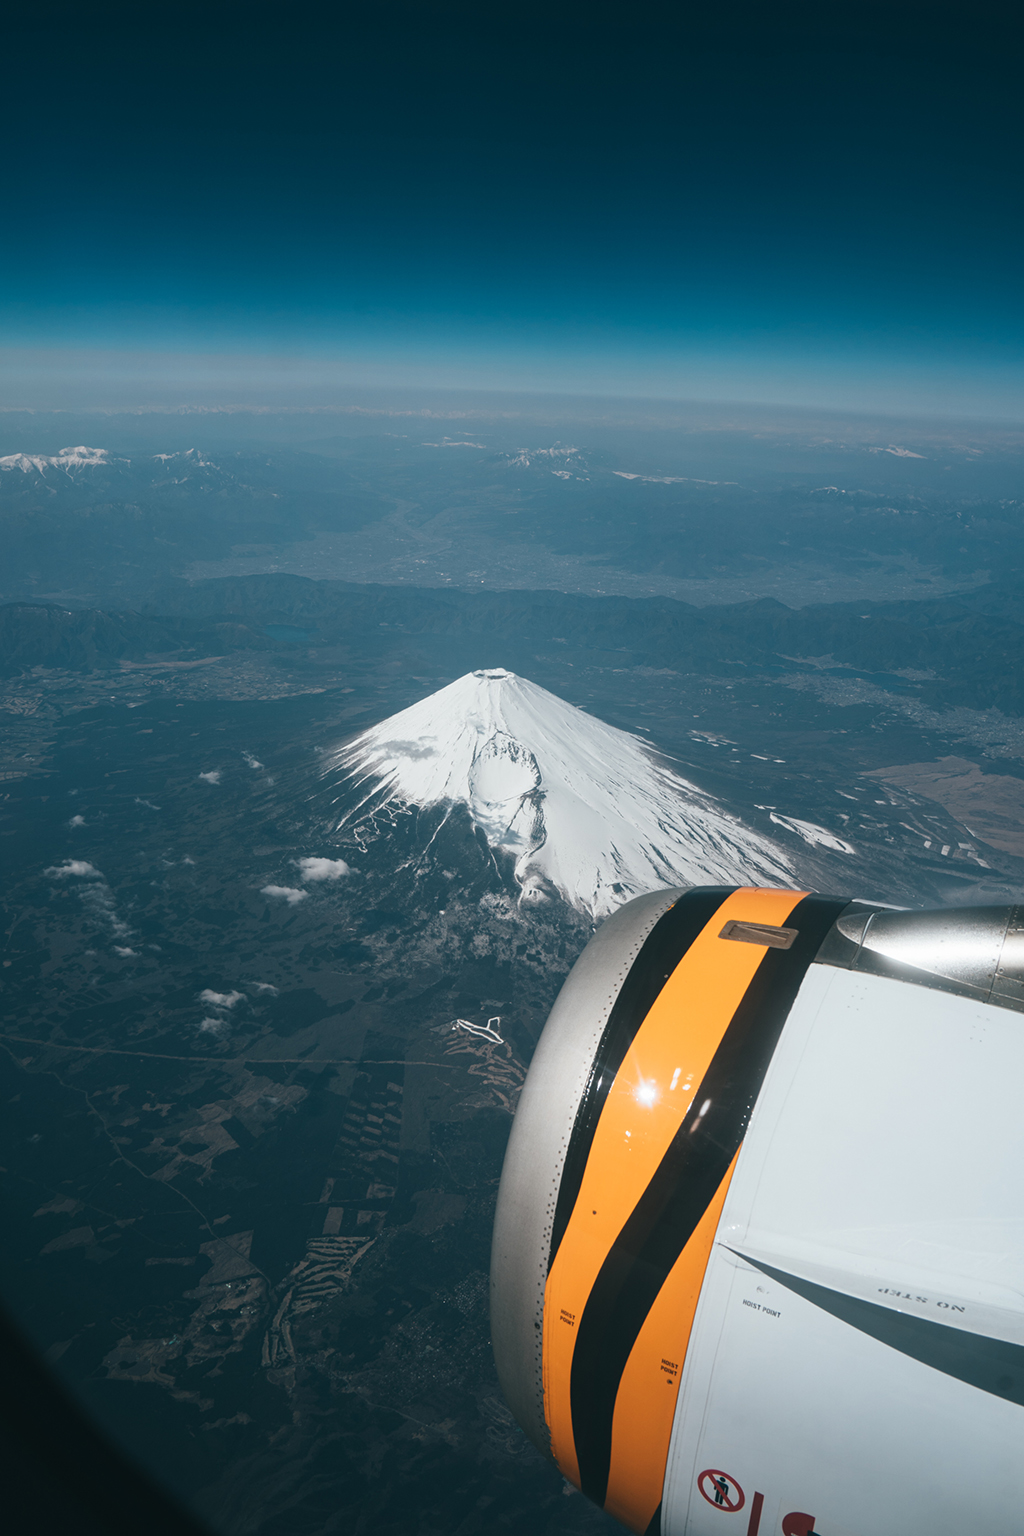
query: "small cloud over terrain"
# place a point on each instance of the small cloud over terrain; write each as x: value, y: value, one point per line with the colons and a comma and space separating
x: 220, y: 999
x: 75, y: 868
x: 77, y: 821
x: 263, y: 987
x: 96, y: 895
x: 252, y: 762
x: 286, y: 893
x: 323, y: 869
x: 124, y: 951
x: 213, y: 777
x: 218, y: 1023
x: 214, y: 1026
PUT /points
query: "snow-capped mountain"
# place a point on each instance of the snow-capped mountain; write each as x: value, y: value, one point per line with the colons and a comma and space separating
x: 565, y: 462
x: 583, y: 809
x: 154, y: 470
x: 179, y: 466
x: 67, y: 460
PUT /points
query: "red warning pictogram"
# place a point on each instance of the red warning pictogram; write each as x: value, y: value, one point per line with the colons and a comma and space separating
x: 721, y: 1490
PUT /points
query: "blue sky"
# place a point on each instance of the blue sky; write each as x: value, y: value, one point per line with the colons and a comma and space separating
x: 799, y: 203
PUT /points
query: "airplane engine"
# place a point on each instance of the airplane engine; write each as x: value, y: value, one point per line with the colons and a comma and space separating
x: 758, y: 1259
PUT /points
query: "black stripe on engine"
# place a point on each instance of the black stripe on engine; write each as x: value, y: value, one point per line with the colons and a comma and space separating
x: 662, y: 950
x: 681, y: 1190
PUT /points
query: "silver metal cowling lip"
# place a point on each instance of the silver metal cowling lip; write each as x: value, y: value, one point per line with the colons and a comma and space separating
x: 975, y: 952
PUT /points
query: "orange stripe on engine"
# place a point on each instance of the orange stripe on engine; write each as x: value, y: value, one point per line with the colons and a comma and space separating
x: 640, y: 1117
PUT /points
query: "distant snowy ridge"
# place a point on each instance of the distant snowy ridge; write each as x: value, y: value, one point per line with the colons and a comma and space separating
x: 573, y: 463
x: 83, y: 457
x: 625, y: 474
x: 188, y: 458
x: 585, y: 809
x: 67, y: 459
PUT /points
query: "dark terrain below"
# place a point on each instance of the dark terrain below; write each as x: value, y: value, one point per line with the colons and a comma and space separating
x: 254, y: 1123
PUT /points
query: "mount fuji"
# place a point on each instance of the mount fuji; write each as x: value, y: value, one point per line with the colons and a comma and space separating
x: 585, y: 811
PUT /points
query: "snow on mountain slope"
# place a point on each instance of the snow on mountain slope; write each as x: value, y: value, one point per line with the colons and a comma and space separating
x: 585, y: 809
x: 813, y: 834
x: 570, y: 461
x: 67, y: 459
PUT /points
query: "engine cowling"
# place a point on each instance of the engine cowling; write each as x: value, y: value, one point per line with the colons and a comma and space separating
x: 759, y: 1245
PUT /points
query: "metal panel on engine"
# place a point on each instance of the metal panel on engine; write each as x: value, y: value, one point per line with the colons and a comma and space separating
x: 858, y: 1353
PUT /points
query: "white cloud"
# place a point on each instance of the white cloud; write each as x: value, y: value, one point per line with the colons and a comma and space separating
x: 77, y: 821
x: 263, y: 986
x: 213, y: 777
x: 124, y: 951
x: 214, y: 1026
x: 77, y: 867
x: 323, y: 869
x: 220, y: 999
x: 101, y: 899
x: 253, y: 762
x: 287, y: 893
x: 96, y: 895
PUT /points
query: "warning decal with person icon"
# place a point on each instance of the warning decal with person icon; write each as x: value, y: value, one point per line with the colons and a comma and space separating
x: 720, y: 1490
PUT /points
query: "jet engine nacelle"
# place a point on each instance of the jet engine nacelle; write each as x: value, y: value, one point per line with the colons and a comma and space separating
x: 758, y: 1256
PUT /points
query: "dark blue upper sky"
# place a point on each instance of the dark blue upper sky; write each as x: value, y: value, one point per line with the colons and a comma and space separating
x: 803, y: 202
